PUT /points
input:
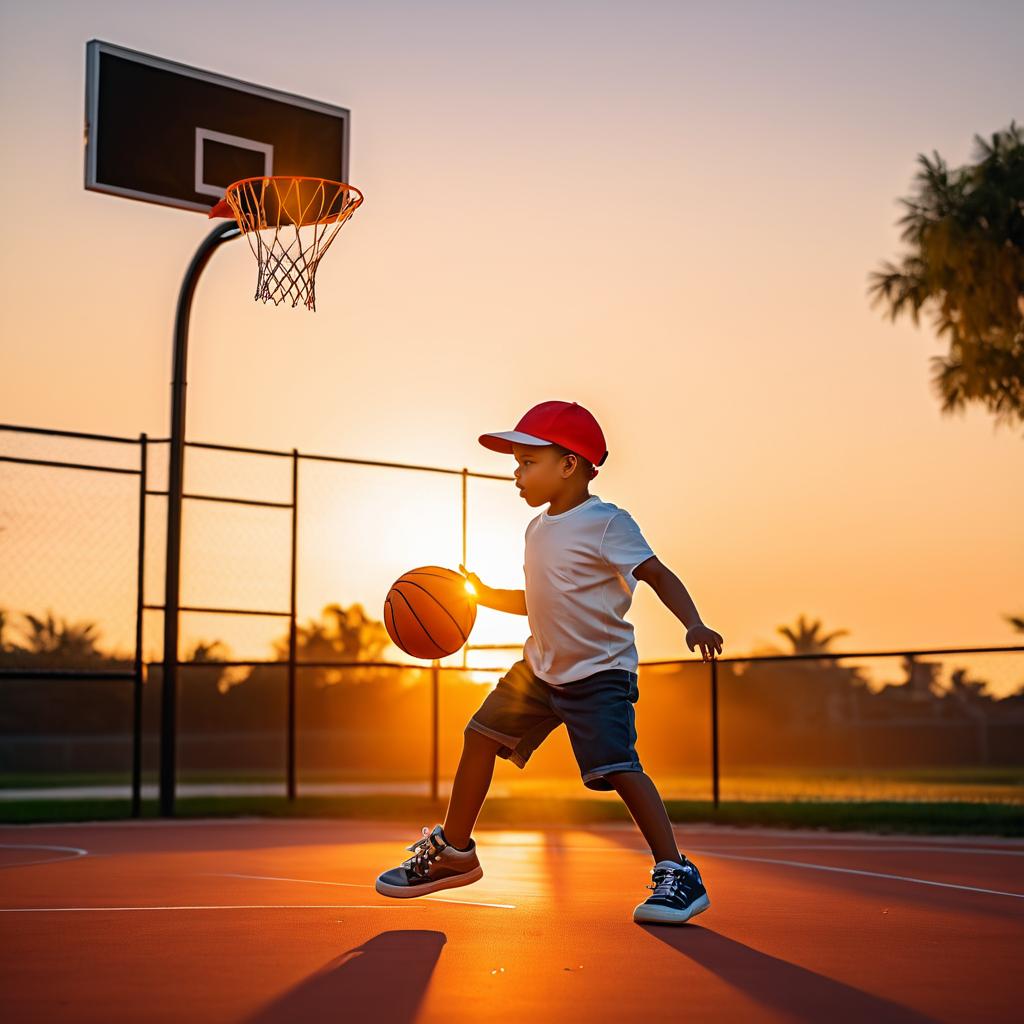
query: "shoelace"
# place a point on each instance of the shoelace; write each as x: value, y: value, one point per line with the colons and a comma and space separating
x: 667, y: 880
x: 424, y: 851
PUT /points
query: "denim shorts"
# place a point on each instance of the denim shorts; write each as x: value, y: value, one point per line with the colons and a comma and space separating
x: 598, y: 713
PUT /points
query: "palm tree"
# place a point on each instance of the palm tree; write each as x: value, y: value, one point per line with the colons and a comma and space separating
x: 343, y: 634
x: 811, y: 684
x: 224, y: 677
x: 62, y: 641
x: 966, y: 263
x: 807, y: 637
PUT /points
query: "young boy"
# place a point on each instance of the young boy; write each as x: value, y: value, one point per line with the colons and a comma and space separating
x: 579, y: 666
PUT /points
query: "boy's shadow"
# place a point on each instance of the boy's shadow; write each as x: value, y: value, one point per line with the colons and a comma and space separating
x: 384, y: 979
x: 778, y: 984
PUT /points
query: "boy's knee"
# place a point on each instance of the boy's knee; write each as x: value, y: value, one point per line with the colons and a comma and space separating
x: 475, y: 737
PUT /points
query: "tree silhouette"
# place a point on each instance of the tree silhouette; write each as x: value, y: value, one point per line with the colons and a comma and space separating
x: 807, y: 637
x: 811, y: 689
x: 224, y: 676
x: 343, y: 634
x: 965, y: 228
x: 59, y: 642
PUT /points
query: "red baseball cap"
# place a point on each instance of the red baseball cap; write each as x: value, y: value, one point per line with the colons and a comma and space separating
x: 564, y: 423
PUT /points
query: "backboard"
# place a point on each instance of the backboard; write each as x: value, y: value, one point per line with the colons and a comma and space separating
x: 167, y: 133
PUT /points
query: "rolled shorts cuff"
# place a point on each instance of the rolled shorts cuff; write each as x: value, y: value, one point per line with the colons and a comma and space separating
x: 507, y: 750
x: 597, y: 774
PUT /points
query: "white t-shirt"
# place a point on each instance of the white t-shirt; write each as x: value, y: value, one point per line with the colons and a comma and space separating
x: 579, y: 585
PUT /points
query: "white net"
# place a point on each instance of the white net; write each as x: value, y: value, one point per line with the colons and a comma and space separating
x: 290, y: 223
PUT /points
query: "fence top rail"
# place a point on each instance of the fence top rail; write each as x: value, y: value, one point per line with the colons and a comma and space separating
x: 16, y: 429
x: 56, y: 464
x: 315, y: 457
x: 243, y: 450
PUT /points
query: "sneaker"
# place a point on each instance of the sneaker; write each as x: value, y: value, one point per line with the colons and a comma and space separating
x: 679, y: 894
x: 435, y: 864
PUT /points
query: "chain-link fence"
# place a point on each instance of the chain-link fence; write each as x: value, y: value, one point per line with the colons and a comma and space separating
x: 82, y: 525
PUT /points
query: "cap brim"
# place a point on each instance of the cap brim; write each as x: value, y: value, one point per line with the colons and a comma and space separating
x: 502, y: 442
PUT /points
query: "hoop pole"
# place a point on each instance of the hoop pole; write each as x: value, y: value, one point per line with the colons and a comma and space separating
x: 172, y: 576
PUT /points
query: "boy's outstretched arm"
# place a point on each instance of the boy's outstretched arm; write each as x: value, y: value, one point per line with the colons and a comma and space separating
x: 669, y: 588
x: 511, y: 601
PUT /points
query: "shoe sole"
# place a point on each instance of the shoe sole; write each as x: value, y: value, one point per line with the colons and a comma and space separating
x: 644, y: 914
x: 408, y: 892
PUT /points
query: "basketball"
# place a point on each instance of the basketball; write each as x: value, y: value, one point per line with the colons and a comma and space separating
x: 429, y: 612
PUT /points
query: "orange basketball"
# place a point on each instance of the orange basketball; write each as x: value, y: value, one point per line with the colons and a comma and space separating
x: 429, y: 612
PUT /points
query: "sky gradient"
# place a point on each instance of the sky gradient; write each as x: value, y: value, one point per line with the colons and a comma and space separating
x: 666, y: 212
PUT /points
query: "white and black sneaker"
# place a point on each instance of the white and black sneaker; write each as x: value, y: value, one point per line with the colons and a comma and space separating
x: 435, y: 864
x: 679, y: 894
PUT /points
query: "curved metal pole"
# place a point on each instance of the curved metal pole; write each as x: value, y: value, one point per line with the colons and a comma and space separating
x: 168, y: 698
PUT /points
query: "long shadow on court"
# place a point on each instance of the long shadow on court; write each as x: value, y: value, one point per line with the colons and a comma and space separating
x: 384, y: 979
x: 780, y: 985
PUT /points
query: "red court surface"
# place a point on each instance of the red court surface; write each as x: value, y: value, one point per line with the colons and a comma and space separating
x: 264, y: 920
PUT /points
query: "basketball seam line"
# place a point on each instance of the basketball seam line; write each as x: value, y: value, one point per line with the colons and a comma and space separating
x: 426, y: 632
x: 451, y: 577
x: 394, y: 621
x: 435, y: 600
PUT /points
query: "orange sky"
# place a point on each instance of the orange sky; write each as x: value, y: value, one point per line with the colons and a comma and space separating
x: 668, y: 217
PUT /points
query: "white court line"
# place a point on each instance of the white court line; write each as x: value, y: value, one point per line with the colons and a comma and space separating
x: 360, y: 885
x: 922, y: 840
x: 224, y: 906
x: 132, y: 823
x: 802, y: 864
x: 831, y: 847
x: 856, y: 871
x: 76, y: 852
x: 818, y: 835
x: 882, y: 848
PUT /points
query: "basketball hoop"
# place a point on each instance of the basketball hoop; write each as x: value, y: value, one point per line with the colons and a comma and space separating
x: 289, y: 223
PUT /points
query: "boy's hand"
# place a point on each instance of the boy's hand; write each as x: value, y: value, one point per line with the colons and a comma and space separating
x: 478, y: 586
x: 704, y: 637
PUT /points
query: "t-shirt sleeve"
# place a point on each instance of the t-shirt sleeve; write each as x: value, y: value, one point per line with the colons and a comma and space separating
x: 624, y: 546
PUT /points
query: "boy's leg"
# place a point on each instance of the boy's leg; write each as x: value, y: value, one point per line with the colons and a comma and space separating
x: 598, y: 712
x: 640, y: 795
x: 511, y: 722
x: 472, y: 780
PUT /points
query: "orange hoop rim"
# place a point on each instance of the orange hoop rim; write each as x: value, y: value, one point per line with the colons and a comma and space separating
x: 223, y: 207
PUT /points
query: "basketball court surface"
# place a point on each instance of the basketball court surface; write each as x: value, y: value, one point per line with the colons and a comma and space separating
x: 262, y: 920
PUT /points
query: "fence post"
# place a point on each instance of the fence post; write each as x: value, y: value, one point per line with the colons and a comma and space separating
x: 435, y: 673
x: 714, y: 730
x: 291, y: 629
x: 139, y: 601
